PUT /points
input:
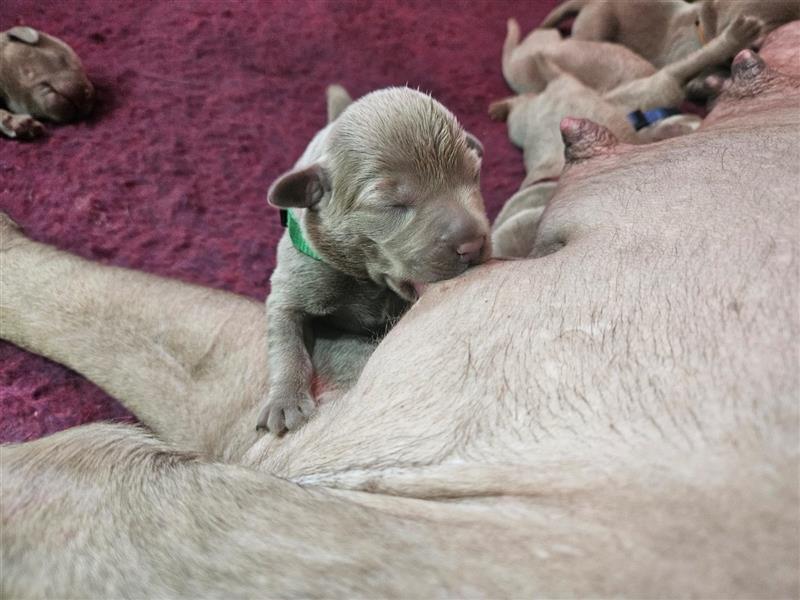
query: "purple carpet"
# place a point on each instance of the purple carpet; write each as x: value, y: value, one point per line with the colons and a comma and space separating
x: 200, y: 106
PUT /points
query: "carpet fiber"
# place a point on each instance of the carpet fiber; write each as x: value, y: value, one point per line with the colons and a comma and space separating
x: 201, y: 104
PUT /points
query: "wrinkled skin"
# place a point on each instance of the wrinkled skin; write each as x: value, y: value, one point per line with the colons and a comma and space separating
x: 40, y: 77
x: 615, y: 418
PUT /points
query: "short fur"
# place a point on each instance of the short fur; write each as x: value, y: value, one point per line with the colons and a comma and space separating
x: 40, y: 77
x: 388, y: 195
x: 601, y: 66
x: 661, y: 32
x: 533, y: 119
x: 666, y: 31
x: 617, y: 418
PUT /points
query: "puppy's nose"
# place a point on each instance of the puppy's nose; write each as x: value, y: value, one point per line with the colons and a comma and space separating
x: 470, y: 252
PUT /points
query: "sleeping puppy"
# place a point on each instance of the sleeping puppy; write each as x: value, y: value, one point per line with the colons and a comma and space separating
x: 534, y: 125
x: 384, y: 200
x: 716, y: 15
x: 661, y: 32
x: 600, y: 66
x: 40, y: 76
x: 665, y: 31
x: 533, y: 119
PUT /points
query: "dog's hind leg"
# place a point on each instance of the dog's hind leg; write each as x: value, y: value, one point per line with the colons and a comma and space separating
x: 106, y: 511
x: 596, y: 22
x: 169, y: 351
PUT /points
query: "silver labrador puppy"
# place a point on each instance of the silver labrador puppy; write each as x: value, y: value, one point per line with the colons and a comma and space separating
x: 40, y: 76
x: 384, y: 200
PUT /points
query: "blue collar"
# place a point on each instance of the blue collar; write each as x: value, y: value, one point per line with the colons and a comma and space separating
x: 641, y: 119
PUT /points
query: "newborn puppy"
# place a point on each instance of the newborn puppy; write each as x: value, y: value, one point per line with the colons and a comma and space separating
x: 533, y: 119
x: 665, y: 31
x: 40, y: 76
x: 598, y: 65
x: 715, y: 15
x: 662, y: 31
x: 385, y: 200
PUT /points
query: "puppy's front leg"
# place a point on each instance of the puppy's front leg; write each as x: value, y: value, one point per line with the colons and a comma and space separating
x: 289, y: 402
x: 666, y: 86
x: 742, y: 32
x: 23, y: 127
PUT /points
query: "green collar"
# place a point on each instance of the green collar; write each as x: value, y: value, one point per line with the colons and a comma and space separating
x: 297, y: 237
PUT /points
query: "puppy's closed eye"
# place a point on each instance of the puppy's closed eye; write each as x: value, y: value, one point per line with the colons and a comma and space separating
x: 401, y: 203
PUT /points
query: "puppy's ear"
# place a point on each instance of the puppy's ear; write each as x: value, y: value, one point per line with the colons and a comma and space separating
x: 301, y: 188
x: 474, y: 144
x: 26, y: 35
x: 338, y: 99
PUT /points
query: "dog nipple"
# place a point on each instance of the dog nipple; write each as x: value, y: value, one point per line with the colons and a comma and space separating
x: 747, y: 65
x: 751, y: 76
x: 585, y: 139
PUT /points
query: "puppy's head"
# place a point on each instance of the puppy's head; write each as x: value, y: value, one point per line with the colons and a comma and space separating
x: 40, y: 75
x: 396, y: 196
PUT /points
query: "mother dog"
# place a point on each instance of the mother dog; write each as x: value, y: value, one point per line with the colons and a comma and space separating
x: 615, y: 417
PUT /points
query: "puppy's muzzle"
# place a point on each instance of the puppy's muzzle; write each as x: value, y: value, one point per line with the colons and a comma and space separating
x: 67, y: 100
x: 467, y: 237
x: 471, y: 251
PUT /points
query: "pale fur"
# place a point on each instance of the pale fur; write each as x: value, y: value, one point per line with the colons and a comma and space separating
x: 533, y: 119
x: 40, y: 77
x: 661, y: 32
x: 665, y: 31
x: 385, y: 194
x: 617, y: 419
x: 600, y: 66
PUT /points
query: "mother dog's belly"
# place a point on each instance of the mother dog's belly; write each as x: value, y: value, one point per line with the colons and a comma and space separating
x: 662, y: 333
x: 634, y: 391
x: 664, y: 328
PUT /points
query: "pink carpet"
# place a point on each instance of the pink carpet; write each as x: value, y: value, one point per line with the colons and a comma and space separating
x: 201, y: 104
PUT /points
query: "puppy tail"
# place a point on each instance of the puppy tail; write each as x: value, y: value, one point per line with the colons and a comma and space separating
x: 561, y: 11
x: 338, y: 100
x: 511, y: 43
x: 512, y: 39
x: 500, y: 109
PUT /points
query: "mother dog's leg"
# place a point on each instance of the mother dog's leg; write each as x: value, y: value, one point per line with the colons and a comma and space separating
x: 107, y: 511
x: 170, y: 351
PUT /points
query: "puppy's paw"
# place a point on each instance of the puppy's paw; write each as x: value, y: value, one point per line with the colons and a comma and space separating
x: 282, y: 413
x: 745, y: 29
x: 22, y: 127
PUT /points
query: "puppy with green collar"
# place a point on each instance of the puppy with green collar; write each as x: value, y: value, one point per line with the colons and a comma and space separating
x: 384, y: 200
